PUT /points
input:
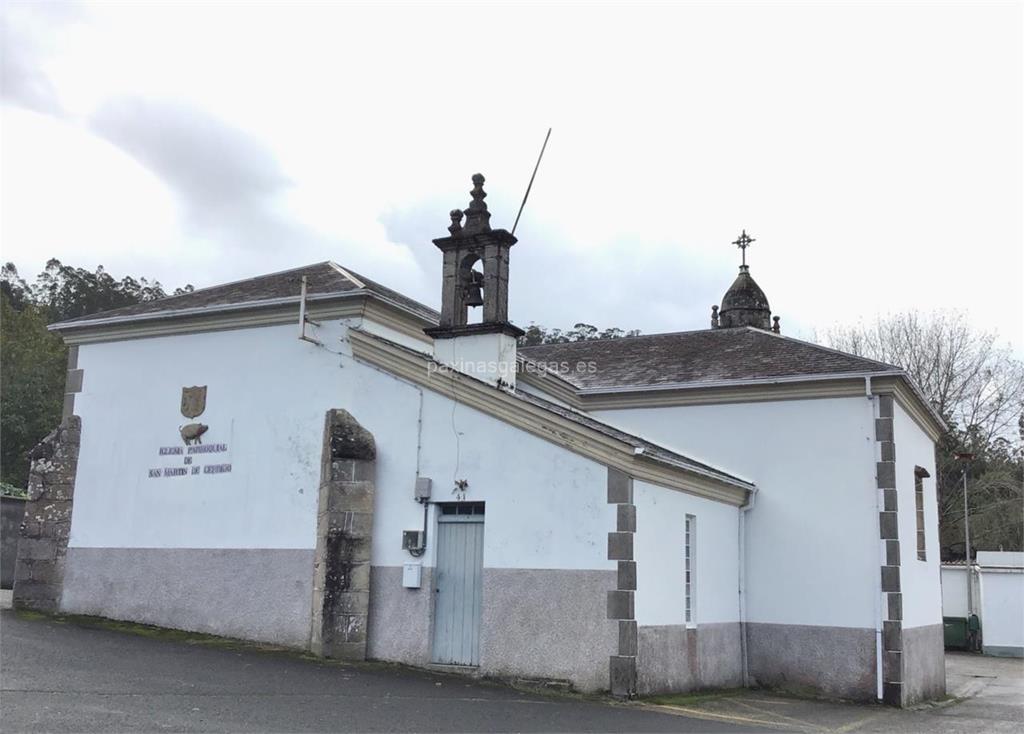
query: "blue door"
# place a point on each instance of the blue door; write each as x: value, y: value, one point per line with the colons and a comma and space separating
x: 458, y: 583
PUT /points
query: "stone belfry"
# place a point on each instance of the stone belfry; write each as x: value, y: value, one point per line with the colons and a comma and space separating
x: 744, y: 304
x: 475, y: 274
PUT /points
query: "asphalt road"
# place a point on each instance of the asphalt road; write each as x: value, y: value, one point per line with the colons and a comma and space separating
x: 61, y: 677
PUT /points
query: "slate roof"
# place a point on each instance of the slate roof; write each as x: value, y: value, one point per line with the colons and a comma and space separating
x: 322, y: 280
x: 695, y: 358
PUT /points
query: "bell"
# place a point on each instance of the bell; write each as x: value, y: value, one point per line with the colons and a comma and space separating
x: 474, y: 297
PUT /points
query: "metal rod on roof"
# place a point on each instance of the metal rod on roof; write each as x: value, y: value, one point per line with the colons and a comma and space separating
x: 530, y: 185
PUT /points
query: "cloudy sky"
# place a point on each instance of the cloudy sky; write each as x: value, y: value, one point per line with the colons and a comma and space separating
x: 873, y: 149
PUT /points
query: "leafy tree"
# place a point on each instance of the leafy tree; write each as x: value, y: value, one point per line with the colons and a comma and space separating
x: 978, y: 388
x: 536, y: 334
x: 33, y: 361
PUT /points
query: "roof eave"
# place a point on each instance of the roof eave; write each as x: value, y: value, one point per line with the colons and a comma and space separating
x: 226, y: 308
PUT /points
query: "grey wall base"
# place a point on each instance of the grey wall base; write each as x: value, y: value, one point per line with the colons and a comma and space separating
x: 536, y: 623
x: 835, y: 661
x: 1003, y: 651
x: 544, y: 623
x: 673, y: 658
x: 924, y: 664
x: 399, y: 625
x: 258, y: 594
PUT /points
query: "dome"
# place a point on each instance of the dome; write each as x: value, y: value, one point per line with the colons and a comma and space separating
x: 745, y: 304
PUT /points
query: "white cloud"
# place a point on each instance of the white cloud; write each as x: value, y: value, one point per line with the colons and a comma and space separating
x: 873, y: 150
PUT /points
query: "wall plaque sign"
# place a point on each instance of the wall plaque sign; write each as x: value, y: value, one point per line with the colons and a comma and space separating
x: 193, y: 403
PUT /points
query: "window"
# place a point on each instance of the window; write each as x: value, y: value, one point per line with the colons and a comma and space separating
x: 919, y: 475
x: 690, y: 565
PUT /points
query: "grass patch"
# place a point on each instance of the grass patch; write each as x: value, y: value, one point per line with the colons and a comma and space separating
x: 693, y: 698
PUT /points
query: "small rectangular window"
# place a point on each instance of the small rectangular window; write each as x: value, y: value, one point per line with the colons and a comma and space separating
x: 690, y: 565
x: 919, y: 475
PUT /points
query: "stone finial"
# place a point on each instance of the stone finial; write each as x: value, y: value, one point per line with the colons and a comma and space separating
x: 775, y: 325
x: 714, y: 317
x: 455, y: 228
x: 478, y: 219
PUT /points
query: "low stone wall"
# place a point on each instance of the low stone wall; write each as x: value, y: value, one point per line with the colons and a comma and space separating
x: 39, y: 570
x: 12, y: 511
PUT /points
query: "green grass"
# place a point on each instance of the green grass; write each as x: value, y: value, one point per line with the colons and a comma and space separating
x: 693, y: 698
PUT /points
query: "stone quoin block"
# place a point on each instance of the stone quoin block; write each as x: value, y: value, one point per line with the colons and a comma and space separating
x: 627, y: 637
x: 620, y: 546
x: 622, y: 674
x: 892, y: 636
x: 888, y: 449
x: 620, y: 605
x: 883, y: 429
x: 888, y: 526
x: 894, y: 602
x: 885, y: 471
x: 626, y: 519
x: 885, y: 406
x: 892, y: 553
x: 892, y: 694
x: 889, y: 500
x: 890, y: 578
x: 892, y: 666
x: 620, y: 487
x: 627, y: 576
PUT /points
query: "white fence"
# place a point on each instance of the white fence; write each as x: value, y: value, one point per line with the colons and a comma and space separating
x: 998, y: 599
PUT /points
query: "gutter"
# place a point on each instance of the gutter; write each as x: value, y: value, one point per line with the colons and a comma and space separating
x: 720, y: 475
x: 737, y: 383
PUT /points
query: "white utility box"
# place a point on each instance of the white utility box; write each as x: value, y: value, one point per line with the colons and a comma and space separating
x: 412, y: 574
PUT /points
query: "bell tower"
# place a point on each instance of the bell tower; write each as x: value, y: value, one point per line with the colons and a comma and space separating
x: 474, y: 275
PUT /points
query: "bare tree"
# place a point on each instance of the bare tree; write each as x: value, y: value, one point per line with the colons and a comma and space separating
x: 974, y: 384
x: 978, y: 388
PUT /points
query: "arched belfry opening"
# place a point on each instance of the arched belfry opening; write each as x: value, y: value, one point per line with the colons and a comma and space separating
x: 475, y: 272
x: 471, y: 286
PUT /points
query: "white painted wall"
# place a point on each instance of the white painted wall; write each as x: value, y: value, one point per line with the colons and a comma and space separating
x: 954, y: 591
x: 919, y: 580
x: 267, y: 396
x: 812, y: 555
x: 1002, y: 607
x: 659, y: 551
x: 487, y: 357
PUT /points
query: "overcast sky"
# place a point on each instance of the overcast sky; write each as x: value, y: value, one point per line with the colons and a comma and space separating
x: 874, y: 150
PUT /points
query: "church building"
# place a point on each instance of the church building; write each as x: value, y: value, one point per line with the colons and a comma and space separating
x: 311, y: 459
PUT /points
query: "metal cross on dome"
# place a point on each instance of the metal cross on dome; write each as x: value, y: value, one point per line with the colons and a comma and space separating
x: 743, y: 242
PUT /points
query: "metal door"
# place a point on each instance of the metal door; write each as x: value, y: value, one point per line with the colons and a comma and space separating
x: 457, y: 584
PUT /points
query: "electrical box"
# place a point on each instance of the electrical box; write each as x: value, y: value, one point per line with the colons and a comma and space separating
x: 422, y: 489
x: 412, y: 540
x: 412, y: 574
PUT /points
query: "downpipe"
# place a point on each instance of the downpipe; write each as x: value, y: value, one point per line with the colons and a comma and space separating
x: 744, y: 509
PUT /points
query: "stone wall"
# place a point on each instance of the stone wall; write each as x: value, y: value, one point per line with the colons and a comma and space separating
x: 39, y: 570
x: 341, y: 574
x: 621, y: 600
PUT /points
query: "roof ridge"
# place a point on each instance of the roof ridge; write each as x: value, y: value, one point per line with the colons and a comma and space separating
x: 243, y: 280
x: 635, y: 336
x: 822, y: 347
